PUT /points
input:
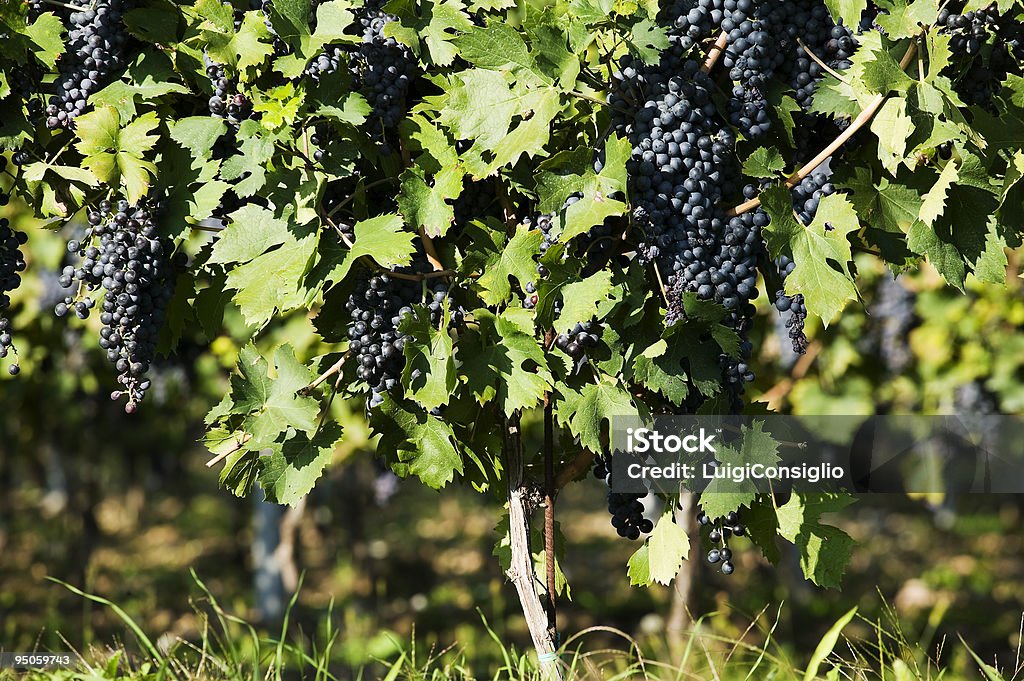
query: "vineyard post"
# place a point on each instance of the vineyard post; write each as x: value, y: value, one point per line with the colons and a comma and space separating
x: 521, y: 570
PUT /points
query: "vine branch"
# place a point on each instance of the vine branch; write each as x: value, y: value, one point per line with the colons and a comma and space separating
x: 863, y: 119
x: 717, y: 50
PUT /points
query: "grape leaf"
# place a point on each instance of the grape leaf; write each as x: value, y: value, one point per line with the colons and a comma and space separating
x: 198, y: 134
x: 902, y: 19
x: 893, y: 127
x: 242, y: 49
x: 667, y: 547
x: 45, y: 33
x: 755, y: 447
x: 424, y: 204
x: 639, y: 566
x: 501, y: 361
x: 849, y: 11
x: 765, y: 162
x: 429, y: 352
x: 824, y: 549
x: 114, y: 153
x: 381, y: 238
x: 252, y: 231
x: 882, y: 74
x: 424, y: 445
x: 583, y: 300
x: 586, y: 411
x: 291, y: 470
x: 820, y: 250
x: 515, y: 260
x: 935, y: 200
x: 497, y: 47
x: 273, y: 281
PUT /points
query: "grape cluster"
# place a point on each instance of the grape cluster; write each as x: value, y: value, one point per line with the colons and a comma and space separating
x: 832, y: 43
x: 12, y: 264
x: 792, y: 308
x: 96, y: 48
x: 383, y: 69
x: 226, y: 102
x: 124, y: 254
x: 376, y: 307
x: 329, y: 61
x: 968, y: 32
x: 626, y: 509
x: 987, y: 47
x: 893, y: 314
x: 719, y: 533
x: 578, y: 340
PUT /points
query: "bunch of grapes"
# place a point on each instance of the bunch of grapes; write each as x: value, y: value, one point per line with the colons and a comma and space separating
x: 124, y: 254
x: 893, y: 315
x: 96, y: 49
x: 578, y: 340
x: 626, y: 509
x: 719, y: 533
x: 226, y: 101
x: 981, y: 71
x: 377, y: 307
x: 329, y: 61
x: 383, y: 69
x: 12, y: 264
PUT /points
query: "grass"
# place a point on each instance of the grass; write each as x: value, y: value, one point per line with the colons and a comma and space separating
x: 231, y: 649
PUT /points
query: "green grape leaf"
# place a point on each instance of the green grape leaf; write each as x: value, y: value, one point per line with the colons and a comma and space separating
x: 849, y: 11
x: 902, y: 19
x: 45, y: 33
x: 820, y: 250
x: 382, y: 239
x: 639, y: 566
x: 270, y: 404
x: 583, y: 300
x: 253, y: 230
x: 480, y: 107
x: 882, y: 74
x: 114, y: 153
x: 667, y: 548
x: 279, y: 105
x: 249, y: 46
x: 893, y: 128
x: 765, y: 162
x: 291, y: 470
x: 429, y: 352
x: 425, y: 446
x: 198, y: 134
x: 648, y: 40
x: 273, y: 281
x: 515, y: 260
x: 497, y: 47
x: 249, y: 167
x: 424, y: 204
x: 501, y: 361
x: 586, y: 411
x: 755, y: 447
x: 935, y: 200
x: 437, y: 27
x: 824, y: 550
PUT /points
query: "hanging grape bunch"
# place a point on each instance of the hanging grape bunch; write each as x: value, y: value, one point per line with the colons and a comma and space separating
x: 124, y: 255
x: 718, y: 532
x: 12, y: 264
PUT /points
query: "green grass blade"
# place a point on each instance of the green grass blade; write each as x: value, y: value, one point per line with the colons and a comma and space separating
x: 827, y: 645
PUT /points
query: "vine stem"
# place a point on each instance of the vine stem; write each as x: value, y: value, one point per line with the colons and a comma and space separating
x: 520, y: 570
x: 335, y: 368
x: 549, y: 513
x: 207, y: 228
x: 828, y: 69
x: 863, y: 119
x: 717, y: 50
x: 223, y: 455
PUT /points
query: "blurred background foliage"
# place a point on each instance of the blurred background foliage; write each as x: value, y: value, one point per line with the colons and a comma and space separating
x: 124, y: 506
